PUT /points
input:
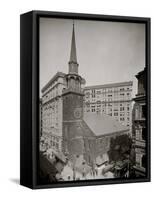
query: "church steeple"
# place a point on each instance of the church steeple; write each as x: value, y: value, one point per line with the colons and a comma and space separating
x: 73, y: 65
x: 73, y: 79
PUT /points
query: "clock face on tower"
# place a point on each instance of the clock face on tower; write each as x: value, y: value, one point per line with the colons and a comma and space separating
x: 77, y: 113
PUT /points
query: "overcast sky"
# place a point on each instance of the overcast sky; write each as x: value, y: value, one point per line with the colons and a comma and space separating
x: 107, y: 52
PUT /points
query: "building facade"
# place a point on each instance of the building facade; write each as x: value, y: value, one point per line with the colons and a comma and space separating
x: 52, y: 111
x: 111, y: 99
x: 139, y: 125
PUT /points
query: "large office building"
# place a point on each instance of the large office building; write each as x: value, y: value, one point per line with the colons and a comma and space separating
x: 52, y: 111
x: 139, y: 125
x: 111, y: 99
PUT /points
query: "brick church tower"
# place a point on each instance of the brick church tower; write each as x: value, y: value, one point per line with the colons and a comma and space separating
x: 74, y: 128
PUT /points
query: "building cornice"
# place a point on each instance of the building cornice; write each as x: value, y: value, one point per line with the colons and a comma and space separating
x: 139, y: 97
x: 52, y: 100
x: 57, y: 75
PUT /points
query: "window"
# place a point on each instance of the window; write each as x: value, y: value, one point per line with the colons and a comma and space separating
x: 98, y: 92
x: 143, y: 133
x: 93, y: 108
x: 115, y: 114
x: 137, y: 134
x: 122, y: 108
x: 122, y: 119
x: 143, y: 111
x: 93, y: 93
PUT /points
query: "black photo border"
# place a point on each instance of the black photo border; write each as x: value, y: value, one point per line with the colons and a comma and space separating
x: 29, y: 95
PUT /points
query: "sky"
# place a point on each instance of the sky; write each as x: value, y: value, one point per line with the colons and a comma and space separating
x: 107, y: 52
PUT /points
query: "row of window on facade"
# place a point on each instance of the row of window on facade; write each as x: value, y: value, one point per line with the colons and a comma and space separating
x: 115, y: 95
x: 106, y: 101
x: 113, y: 114
x: 52, y: 140
x: 96, y: 108
x: 48, y: 125
x: 54, y: 92
x: 88, y: 103
x: 114, y: 89
x: 51, y: 106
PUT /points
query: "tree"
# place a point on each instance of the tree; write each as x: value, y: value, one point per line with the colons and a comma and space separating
x: 122, y: 154
x: 120, y: 148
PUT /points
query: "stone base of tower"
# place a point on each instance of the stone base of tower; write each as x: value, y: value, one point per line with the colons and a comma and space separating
x: 78, y: 140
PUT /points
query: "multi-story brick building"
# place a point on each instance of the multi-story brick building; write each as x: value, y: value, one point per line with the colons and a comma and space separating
x: 112, y: 99
x: 52, y: 110
x: 139, y: 124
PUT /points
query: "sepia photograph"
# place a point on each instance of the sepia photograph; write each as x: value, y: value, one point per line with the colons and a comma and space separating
x: 92, y: 100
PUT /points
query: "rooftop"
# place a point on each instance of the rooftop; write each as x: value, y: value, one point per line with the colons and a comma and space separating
x: 102, y: 124
x: 120, y: 84
x: 57, y: 75
x: 141, y: 73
